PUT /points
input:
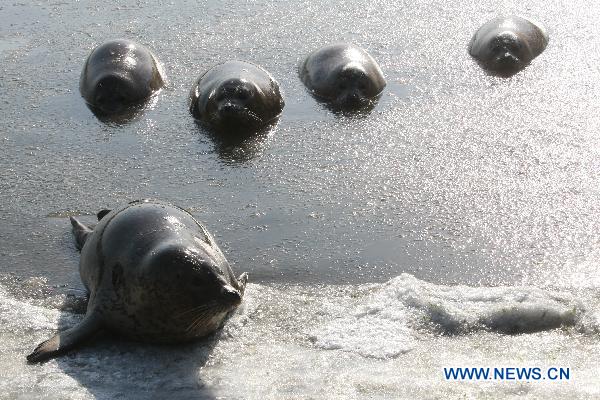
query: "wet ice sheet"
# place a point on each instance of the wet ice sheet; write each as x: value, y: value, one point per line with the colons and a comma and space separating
x: 334, y: 342
x: 455, y: 177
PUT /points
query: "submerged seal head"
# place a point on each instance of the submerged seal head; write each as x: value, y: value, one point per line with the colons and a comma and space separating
x: 236, y: 97
x: 343, y: 75
x: 119, y: 74
x: 505, y: 45
x: 154, y: 274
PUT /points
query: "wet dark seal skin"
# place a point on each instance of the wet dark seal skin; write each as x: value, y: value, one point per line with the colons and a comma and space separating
x: 154, y: 274
x: 505, y: 45
x: 120, y: 74
x: 236, y: 97
x: 344, y: 75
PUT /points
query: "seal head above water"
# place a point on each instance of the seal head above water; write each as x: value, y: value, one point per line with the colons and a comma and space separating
x: 236, y: 97
x: 153, y: 274
x: 119, y: 74
x: 505, y: 45
x: 343, y: 75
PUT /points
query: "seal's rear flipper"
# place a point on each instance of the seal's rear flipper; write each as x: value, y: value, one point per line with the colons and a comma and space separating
x: 102, y: 213
x: 66, y: 340
x: 80, y: 231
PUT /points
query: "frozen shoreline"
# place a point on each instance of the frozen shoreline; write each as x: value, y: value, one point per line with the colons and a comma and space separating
x: 388, y: 340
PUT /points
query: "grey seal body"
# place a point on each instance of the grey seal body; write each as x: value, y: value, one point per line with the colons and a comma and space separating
x: 119, y: 74
x: 505, y: 45
x: 342, y: 74
x: 238, y: 96
x: 154, y: 274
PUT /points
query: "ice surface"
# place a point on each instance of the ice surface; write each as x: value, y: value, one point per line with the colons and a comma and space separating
x: 387, y: 340
x: 379, y: 324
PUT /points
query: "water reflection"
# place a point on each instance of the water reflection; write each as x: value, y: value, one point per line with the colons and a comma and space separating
x: 352, y: 110
x: 235, y: 146
x: 119, y: 118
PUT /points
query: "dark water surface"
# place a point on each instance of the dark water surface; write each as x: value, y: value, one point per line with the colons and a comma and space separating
x: 455, y: 177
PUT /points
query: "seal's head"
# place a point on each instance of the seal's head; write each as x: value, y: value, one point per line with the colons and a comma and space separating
x: 505, y: 45
x: 353, y: 88
x: 191, y: 290
x: 236, y: 103
x: 119, y: 74
x: 506, y: 52
x: 344, y: 76
x: 236, y: 97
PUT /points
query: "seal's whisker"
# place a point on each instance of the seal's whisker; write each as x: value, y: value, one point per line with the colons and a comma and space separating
x: 254, y: 116
x: 201, y: 315
x: 198, y: 309
x: 192, y: 310
x: 198, y: 322
x: 206, y: 315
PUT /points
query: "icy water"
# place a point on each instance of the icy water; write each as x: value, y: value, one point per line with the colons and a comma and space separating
x: 455, y: 225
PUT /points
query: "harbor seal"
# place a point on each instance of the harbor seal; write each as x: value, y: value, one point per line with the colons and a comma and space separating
x: 505, y: 45
x: 153, y: 274
x: 236, y: 97
x: 344, y: 75
x: 119, y: 74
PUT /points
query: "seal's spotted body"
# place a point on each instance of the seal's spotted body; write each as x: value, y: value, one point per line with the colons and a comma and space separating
x: 154, y: 274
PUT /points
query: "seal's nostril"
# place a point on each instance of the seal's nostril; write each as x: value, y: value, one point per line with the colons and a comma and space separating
x: 230, y: 295
x: 352, y: 99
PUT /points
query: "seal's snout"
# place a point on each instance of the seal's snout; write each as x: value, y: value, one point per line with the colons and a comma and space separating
x: 231, y: 295
x: 353, y: 87
x: 112, y: 92
x: 230, y: 108
x: 507, y: 60
x: 506, y: 63
x: 353, y: 99
x: 233, y: 99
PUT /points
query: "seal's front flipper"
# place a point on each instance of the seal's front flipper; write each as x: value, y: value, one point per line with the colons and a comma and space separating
x: 102, y: 213
x: 80, y: 231
x: 242, y: 280
x: 66, y: 340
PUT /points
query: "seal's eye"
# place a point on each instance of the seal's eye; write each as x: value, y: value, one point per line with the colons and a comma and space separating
x: 243, y: 94
x: 220, y: 96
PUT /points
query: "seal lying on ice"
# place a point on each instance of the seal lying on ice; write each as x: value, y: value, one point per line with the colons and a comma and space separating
x: 154, y: 274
